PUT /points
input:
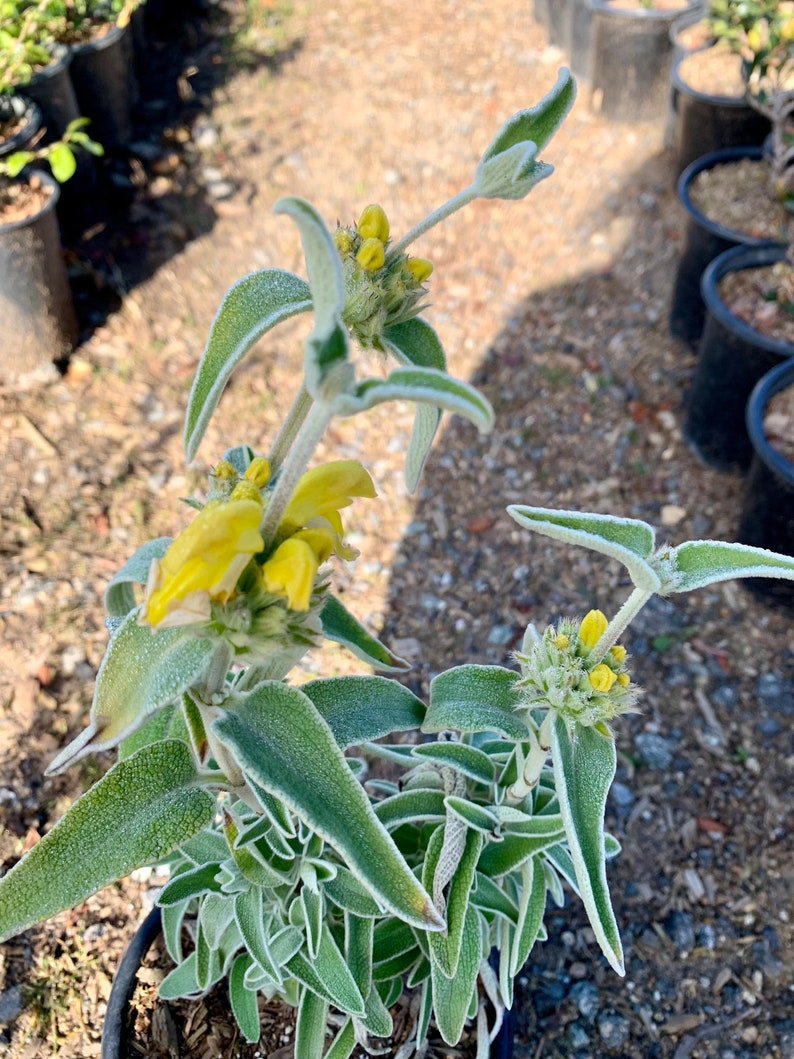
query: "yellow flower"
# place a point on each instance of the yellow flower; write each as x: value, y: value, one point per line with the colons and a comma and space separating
x: 205, y: 561
x: 311, y: 529
x: 373, y: 223
x: 592, y: 628
x: 420, y: 268
x: 618, y: 652
x: 602, y: 678
x: 371, y: 255
x: 624, y: 680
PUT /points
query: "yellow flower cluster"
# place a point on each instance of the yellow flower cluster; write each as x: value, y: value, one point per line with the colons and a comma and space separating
x: 603, y: 676
x: 205, y: 562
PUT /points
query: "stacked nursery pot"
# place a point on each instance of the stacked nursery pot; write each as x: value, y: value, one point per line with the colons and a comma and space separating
x: 39, y: 325
x: 706, y: 236
x: 767, y: 519
x: 735, y: 353
x: 631, y: 57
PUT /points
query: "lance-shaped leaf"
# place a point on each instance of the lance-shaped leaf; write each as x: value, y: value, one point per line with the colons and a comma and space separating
x: 327, y: 347
x: 628, y: 540
x: 359, y: 709
x: 445, y: 949
x: 698, y: 563
x: 584, y: 767
x: 137, y: 814
x: 423, y: 385
x: 532, y: 906
x: 244, y: 1000
x: 466, y: 759
x: 508, y: 169
x: 415, y: 342
x: 280, y: 739
x: 142, y: 671
x: 452, y: 996
x: 120, y: 594
x: 474, y: 698
x: 328, y: 976
x: 342, y: 627
x: 250, y: 308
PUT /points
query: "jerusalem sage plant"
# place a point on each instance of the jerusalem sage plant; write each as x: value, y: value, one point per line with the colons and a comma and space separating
x: 291, y: 873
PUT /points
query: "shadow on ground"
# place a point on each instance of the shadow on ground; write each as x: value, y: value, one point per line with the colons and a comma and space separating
x: 588, y: 390
x: 166, y: 187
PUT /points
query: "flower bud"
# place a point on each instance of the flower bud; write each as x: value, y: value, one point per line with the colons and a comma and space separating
x: 373, y: 224
x: 420, y: 269
x: 371, y: 254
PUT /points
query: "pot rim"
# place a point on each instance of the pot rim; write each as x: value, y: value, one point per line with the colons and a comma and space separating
x: 779, y: 378
x: 709, y: 161
x: 50, y: 204
x: 684, y: 20
x: 737, y: 259
x: 61, y: 57
x: 647, y: 14
x: 681, y: 85
x: 98, y: 43
x: 28, y: 109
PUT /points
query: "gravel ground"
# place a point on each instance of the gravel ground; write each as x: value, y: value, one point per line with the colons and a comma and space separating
x: 556, y: 307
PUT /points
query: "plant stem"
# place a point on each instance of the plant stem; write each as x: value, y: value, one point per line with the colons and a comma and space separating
x: 630, y: 609
x: 296, y: 417
x: 463, y: 198
x: 306, y: 441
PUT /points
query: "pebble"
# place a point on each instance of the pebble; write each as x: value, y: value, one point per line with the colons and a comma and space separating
x: 577, y: 1035
x: 775, y: 693
x: 681, y: 930
x: 622, y: 796
x: 11, y: 1004
x: 656, y: 750
x: 500, y: 635
x: 548, y: 998
x: 585, y: 996
x: 613, y: 1030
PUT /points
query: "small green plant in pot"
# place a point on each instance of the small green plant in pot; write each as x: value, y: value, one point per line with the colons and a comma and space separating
x: 293, y: 873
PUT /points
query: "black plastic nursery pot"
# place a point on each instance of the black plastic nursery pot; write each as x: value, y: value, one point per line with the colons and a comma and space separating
x: 733, y: 358
x: 678, y: 31
x: 581, y: 41
x: 767, y: 519
x: 27, y: 113
x: 115, y: 1031
x: 38, y: 321
x: 631, y: 59
x: 560, y: 23
x: 704, y: 240
x: 706, y: 122
x: 51, y: 87
x: 540, y: 12
x: 103, y: 78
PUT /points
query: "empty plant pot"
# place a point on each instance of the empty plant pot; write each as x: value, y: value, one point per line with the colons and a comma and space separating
x: 733, y: 358
x: 631, y: 59
x: 704, y: 240
x: 767, y: 519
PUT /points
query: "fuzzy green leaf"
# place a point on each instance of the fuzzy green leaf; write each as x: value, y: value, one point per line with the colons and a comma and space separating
x: 409, y: 807
x: 628, y: 540
x: 310, y: 1026
x: 342, y: 627
x: 415, y: 342
x: 329, y: 976
x: 245, y: 1006
x: 445, y: 949
x: 532, y: 907
x: 452, y: 996
x: 327, y: 348
x: 474, y: 698
x: 699, y: 563
x: 280, y: 739
x: 62, y: 162
x: 466, y: 759
x: 119, y: 594
x: 250, y: 308
x: 539, y: 123
x: 584, y: 767
x: 143, y: 670
x: 423, y: 385
x: 498, y: 858
x: 137, y: 814
x: 360, y: 709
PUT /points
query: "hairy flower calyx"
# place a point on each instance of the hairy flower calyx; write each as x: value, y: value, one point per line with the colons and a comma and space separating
x: 381, y: 290
x: 220, y: 571
x: 559, y: 672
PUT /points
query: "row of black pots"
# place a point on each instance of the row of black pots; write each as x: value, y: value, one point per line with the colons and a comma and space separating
x: 738, y: 371
x: 116, y: 1028
x: 601, y: 39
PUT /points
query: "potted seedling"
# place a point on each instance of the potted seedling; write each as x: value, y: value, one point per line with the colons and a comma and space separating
x: 38, y: 316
